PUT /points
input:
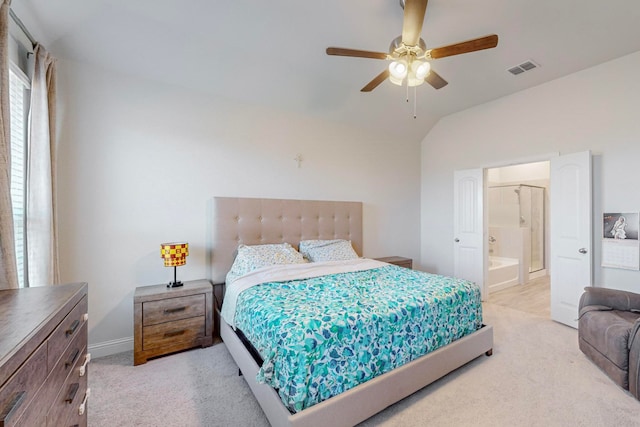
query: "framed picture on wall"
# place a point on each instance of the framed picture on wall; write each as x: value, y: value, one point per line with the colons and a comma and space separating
x: 620, y: 244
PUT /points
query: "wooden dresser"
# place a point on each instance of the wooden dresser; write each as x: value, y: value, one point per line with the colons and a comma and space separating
x: 43, y: 356
x: 167, y: 320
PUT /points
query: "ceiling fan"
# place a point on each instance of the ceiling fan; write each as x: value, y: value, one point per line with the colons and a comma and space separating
x: 409, y: 55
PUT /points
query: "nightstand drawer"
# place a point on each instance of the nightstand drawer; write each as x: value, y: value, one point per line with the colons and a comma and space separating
x: 397, y: 260
x: 171, y: 309
x: 173, y: 333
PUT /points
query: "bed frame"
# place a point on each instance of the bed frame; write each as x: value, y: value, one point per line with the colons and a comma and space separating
x: 259, y: 221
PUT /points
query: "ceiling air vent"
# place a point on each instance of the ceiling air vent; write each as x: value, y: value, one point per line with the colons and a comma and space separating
x: 516, y: 70
x: 521, y: 68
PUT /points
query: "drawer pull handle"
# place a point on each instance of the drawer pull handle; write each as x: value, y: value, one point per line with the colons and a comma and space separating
x: 12, y: 407
x: 73, y: 328
x: 73, y: 359
x: 174, y: 310
x: 83, y: 405
x: 174, y: 333
x: 83, y: 368
x: 73, y: 390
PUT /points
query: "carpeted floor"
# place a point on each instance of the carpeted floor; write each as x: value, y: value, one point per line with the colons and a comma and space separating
x: 537, y: 376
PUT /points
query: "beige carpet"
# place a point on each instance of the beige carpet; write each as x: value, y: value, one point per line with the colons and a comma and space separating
x: 536, y: 377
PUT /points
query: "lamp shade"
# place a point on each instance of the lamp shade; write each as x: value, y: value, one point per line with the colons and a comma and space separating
x: 398, y: 69
x: 420, y: 69
x: 174, y: 254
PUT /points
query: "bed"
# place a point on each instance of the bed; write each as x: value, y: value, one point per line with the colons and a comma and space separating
x: 246, y: 221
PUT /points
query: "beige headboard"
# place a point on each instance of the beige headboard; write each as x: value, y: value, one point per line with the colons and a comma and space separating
x: 259, y: 221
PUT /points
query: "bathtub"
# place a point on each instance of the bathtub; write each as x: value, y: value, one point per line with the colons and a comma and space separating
x: 503, y: 273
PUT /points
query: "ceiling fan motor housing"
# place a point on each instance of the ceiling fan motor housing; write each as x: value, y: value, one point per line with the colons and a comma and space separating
x: 398, y: 49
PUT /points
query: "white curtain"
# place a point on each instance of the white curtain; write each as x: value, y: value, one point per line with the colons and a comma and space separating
x: 41, y: 222
x: 8, y: 269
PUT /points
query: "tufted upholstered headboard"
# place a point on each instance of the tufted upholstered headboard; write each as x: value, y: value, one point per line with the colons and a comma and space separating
x: 255, y: 221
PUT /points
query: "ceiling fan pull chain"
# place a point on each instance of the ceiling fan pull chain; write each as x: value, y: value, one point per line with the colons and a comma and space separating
x: 407, y: 90
x: 415, y: 100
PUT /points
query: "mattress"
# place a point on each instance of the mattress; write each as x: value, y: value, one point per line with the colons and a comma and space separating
x: 323, y: 329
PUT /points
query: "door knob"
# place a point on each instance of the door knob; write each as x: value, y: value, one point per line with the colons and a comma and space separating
x: 582, y: 250
x: 456, y: 240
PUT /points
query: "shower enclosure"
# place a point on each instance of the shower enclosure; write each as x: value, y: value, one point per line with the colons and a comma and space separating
x: 520, y: 206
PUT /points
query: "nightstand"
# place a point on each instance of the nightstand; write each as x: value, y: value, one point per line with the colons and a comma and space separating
x: 167, y: 320
x: 397, y: 260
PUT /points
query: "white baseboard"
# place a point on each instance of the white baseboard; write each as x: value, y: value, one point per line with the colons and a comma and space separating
x: 108, y: 348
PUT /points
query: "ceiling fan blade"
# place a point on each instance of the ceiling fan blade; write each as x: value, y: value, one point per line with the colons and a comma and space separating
x: 357, y: 53
x: 435, y: 80
x: 486, y: 42
x: 376, y: 81
x: 414, y: 11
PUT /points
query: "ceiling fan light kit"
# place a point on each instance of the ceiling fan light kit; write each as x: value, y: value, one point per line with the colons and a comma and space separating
x: 409, y: 55
x: 398, y: 69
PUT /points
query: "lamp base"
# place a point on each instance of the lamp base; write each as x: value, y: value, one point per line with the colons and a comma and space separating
x: 174, y: 284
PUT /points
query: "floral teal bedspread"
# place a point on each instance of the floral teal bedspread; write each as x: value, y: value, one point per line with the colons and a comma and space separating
x: 321, y: 336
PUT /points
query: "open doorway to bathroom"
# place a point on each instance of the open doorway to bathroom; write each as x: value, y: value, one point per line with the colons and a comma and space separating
x: 518, y: 233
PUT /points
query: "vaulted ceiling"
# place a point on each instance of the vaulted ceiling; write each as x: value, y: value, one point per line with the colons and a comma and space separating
x: 272, y: 53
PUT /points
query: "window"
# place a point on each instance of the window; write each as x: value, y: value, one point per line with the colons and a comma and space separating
x: 19, y: 106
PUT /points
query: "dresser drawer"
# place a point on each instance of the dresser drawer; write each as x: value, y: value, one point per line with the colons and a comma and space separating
x: 76, y: 419
x: 37, y: 411
x: 65, y: 332
x: 70, y: 396
x: 20, y: 389
x: 180, y: 332
x: 170, y: 309
x: 75, y: 352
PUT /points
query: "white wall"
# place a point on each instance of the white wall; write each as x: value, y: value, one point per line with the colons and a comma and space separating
x: 521, y: 173
x: 139, y: 161
x: 595, y: 109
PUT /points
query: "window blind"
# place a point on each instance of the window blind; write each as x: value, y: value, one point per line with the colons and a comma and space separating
x: 18, y: 88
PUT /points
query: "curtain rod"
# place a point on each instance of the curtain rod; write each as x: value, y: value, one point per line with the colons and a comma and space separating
x: 22, y: 27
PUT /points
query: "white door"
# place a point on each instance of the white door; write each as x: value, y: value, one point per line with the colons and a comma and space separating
x: 468, y: 229
x: 571, y: 259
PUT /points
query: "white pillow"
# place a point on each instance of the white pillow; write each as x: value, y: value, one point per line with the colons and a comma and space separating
x: 252, y: 257
x: 327, y: 250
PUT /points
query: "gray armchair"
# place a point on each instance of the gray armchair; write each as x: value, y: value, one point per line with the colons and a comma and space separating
x: 609, y: 334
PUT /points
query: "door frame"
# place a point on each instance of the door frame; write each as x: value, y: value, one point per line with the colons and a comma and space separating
x: 515, y: 162
x: 484, y: 286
